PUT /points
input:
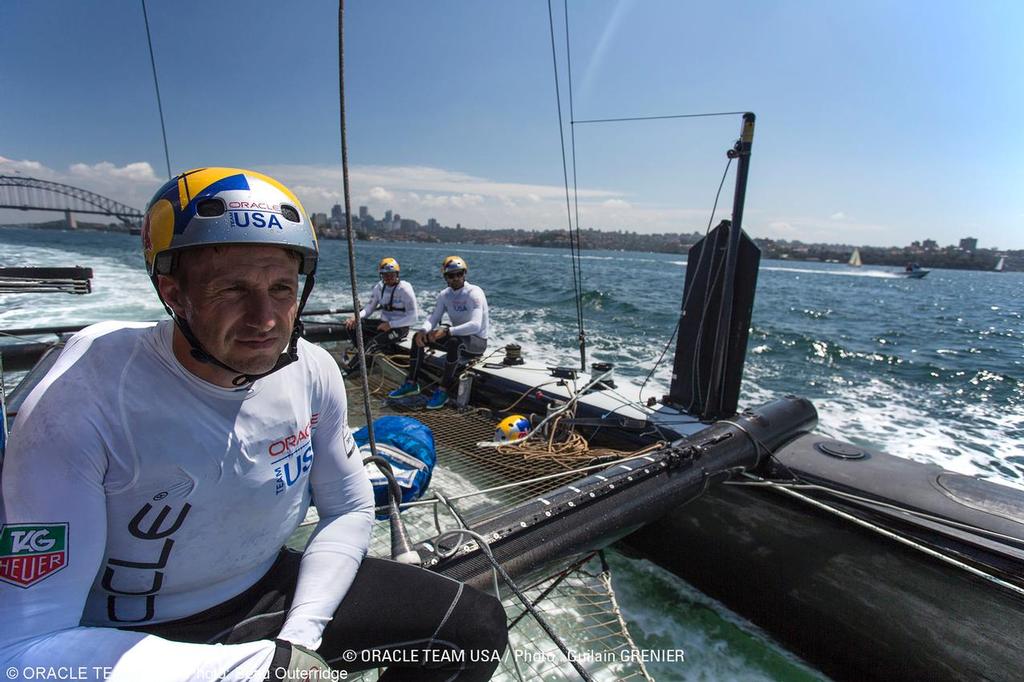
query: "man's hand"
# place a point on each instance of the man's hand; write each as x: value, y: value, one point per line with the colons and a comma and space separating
x: 350, y: 323
x: 438, y: 334
x: 420, y: 339
x: 295, y: 662
x: 384, y: 327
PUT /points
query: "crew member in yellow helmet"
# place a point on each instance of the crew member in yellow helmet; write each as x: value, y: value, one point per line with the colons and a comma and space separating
x: 464, y: 339
x: 154, y: 475
x: 396, y: 300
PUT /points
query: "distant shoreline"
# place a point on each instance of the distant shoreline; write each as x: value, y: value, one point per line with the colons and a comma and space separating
x: 597, y: 240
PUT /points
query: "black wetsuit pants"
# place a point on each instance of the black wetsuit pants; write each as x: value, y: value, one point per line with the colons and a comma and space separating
x: 374, y: 340
x: 458, y: 351
x: 420, y: 625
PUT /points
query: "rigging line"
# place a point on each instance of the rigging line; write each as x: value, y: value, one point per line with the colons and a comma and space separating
x: 896, y: 537
x: 715, y: 273
x: 348, y: 228
x: 698, y: 341
x: 661, y: 118
x: 156, y: 84
x: 485, y: 549
x: 908, y: 542
x: 559, y: 578
x: 711, y: 219
x: 494, y: 571
x: 800, y: 485
x: 797, y: 482
x: 606, y: 464
x: 575, y: 189
x: 565, y: 177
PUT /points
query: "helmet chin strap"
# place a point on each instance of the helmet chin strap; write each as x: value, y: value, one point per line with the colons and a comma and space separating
x: 290, y: 355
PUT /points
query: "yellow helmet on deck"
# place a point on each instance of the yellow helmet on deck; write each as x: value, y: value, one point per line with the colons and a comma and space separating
x: 512, y: 428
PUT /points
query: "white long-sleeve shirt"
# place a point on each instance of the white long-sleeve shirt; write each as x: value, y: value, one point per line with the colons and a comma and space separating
x: 466, y: 308
x: 397, y: 304
x: 135, y: 492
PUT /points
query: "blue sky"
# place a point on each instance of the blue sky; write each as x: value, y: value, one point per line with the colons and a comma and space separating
x: 878, y: 122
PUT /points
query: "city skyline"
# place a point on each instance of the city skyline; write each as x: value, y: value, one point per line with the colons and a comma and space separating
x: 876, y: 124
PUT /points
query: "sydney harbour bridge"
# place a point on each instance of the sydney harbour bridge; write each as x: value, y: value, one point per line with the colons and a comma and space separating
x: 33, y: 194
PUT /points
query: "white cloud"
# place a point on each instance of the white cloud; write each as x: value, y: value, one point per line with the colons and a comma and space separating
x: 467, y: 200
x: 423, y: 192
x: 23, y: 167
x: 316, y: 195
x: 417, y: 192
x: 380, y: 194
x: 132, y: 184
x: 104, y: 171
x: 838, y: 216
x: 818, y: 230
x: 780, y: 229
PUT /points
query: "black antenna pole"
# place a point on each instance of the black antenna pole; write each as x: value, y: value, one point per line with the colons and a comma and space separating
x: 156, y: 83
x: 741, y: 152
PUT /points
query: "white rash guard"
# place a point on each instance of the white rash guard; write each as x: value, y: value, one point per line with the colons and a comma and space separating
x: 466, y: 308
x: 397, y: 304
x: 168, y: 495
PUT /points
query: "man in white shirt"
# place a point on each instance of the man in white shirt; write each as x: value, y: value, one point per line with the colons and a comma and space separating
x: 155, y: 473
x: 396, y: 300
x: 465, y: 338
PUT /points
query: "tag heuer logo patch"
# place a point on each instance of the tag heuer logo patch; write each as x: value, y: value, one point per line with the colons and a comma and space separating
x: 30, y: 552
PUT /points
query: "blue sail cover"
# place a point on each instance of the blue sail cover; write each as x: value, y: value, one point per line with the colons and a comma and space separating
x: 409, y: 445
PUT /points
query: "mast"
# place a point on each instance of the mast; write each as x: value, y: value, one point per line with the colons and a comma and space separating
x: 741, y: 152
x: 718, y: 299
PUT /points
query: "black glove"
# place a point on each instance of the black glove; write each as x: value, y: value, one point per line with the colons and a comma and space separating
x: 289, y: 659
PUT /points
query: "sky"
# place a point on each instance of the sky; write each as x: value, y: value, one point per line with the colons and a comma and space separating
x: 878, y: 122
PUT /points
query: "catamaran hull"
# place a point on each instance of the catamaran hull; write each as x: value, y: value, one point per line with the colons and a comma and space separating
x: 851, y: 600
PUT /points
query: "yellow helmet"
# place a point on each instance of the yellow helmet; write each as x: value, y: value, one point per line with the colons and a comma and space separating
x: 387, y: 265
x: 216, y: 206
x: 512, y: 428
x: 453, y: 264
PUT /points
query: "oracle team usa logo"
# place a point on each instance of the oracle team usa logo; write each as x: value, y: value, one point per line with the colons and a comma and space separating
x: 30, y: 552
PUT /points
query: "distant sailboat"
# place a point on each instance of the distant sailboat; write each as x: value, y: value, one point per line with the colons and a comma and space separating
x: 855, y: 259
x: 1001, y: 264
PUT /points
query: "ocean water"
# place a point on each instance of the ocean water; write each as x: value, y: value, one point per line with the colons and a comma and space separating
x: 930, y: 369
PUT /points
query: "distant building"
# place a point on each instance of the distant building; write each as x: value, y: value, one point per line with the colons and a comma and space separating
x: 319, y: 220
x: 432, y: 224
x: 387, y: 216
x: 337, y: 214
x: 929, y: 245
x: 364, y: 213
x: 969, y: 244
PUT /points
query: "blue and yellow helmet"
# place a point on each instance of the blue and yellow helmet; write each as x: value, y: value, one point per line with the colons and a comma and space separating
x: 217, y: 206
x: 387, y: 265
x: 453, y: 264
x: 512, y: 428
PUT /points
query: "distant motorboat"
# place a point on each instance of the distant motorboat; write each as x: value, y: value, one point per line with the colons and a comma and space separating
x: 855, y: 260
x: 1001, y: 264
x: 912, y: 271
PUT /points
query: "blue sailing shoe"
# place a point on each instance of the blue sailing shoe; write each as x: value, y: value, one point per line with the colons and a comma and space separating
x: 406, y: 389
x: 438, y: 399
